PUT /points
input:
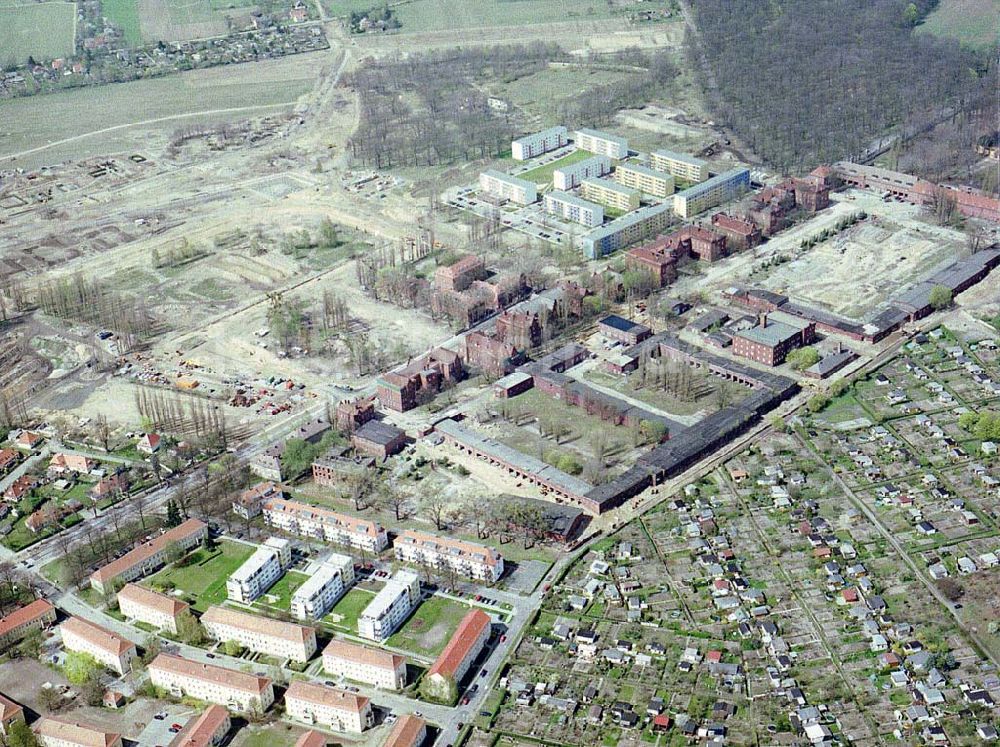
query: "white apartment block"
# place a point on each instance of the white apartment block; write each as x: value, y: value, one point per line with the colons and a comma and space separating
x: 109, y: 649
x: 260, y: 571
x: 719, y: 189
x: 681, y: 165
x: 390, y: 606
x: 508, y: 187
x: 323, y: 588
x: 646, y: 180
x: 322, y: 524
x: 569, y: 177
x: 145, y: 605
x: 237, y: 691
x: 464, y: 558
x: 262, y: 634
x: 336, y: 709
x: 602, y: 143
x: 610, y: 194
x: 573, y: 208
x: 148, y: 556
x: 55, y: 732
x: 362, y: 664
x: 538, y: 143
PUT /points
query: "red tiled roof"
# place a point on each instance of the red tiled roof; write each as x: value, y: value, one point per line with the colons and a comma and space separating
x: 326, y: 696
x: 406, y: 732
x: 363, y: 655
x: 132, y: 558
x: 210, y: 673
x: 311, y: 739
x: 25, y: 614
x: 98, y: 636
x: 201, y: 732
x: 460, y: 645
x: 8, y: 709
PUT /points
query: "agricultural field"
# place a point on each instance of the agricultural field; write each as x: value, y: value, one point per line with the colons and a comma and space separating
x: 202, y: 578
x: 125, y: 15
x: 543, y: 93
x: 963, y: 20
x: 40, y: 30
x: 440, y: 15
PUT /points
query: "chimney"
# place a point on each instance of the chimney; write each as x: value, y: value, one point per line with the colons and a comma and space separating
x: 762, y: 319
x: 840, y: 347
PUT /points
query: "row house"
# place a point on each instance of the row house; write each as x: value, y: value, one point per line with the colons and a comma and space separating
x: 149, y: 556
x: 237, y: 691
x: 145, y: 605
x: 108, y: 648
x: 322, y: 524
x: 261, y: 634
x: 363, y: 664
x: 464, y: 558
x: 337, y: 709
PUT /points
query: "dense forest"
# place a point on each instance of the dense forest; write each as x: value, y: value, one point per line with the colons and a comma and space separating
x: 808, y: 81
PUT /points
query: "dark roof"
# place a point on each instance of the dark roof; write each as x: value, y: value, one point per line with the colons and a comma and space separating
x: 560, y: 519
x: 377, y: 432
x: 623, y: 325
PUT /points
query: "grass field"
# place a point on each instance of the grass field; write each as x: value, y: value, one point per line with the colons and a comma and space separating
x: 36, y: 121
x: 972, y: 22
x: 543, y: 174
x: 279, y: 596
x: 204, y: 580
x: 337, y: 8
x: 345, y: 613
x: 125, y: 15
x: 430, y: 628
x: 40, y: 30
x: 440, y: 15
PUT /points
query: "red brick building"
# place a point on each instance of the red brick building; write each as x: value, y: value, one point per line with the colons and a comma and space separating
x: 405, y: 388
x: 520, y: 328
x: 657, y: 259
x: 774, y: 336
x: 353, y: 413
x: 489, y: 354
x: 459, y: 275
x: 740, y: 234
x: 378, y: 439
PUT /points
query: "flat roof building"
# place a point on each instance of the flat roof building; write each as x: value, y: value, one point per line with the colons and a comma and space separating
x: 235, y: 690
x: 570, y: 176
x: 572, y: 208
x: 323, y: 588
x: 623, y: 330
x: 630, y: 228
x: 264, y: 635
x: 363, y: 664
x: 337, y: 709
x: 464, y: 558
x: 610, y: 194
x: 538, y: 143
x: 390, y: 606
x: 145, y: 605
x: 601, y: 143
x: 378, y: 439
x: 717, y: 190
x: 148, y: 557
x: 646, y: 180
x: 511, y: 188
x: 323, y: 524
x: 680, y: 165
x: 107, y: 648
x: 774, y: 336
x: 260, y: 571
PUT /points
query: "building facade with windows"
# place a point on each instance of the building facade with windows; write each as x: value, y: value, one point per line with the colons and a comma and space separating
x: 24, y: 621
x: 569, y: 176
x: 237, y: 691
x: 711, y: 193
x: 363, y: 664
x: 680, y: 165
x: 322, y: 524
x: 109, y: 649
x: 337, y: 709
x: 57, y: 732
x: 390, y: 606
x: 145, y: 605
x: 461, y: 652
x: 464, y: 558
x: 508, y: 187
x: 264, y: 635
x: 260, y: 571
x: 646, y: 180
x: 601, y: 143
x: 206, y: 730
x: 572, y: 208
x: 538, y: 143
x: 323, y: 588
x: 630, y: 228
x: 610, y: 194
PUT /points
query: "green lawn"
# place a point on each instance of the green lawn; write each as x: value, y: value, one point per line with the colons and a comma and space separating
x: 345, y: 613
x: 279, y: 596
x: 125, y: 15
x: 41, y: 30
x: 203, y: 581
x: 543, y: 174
x: 972, y: 22
x: 430, y: 627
